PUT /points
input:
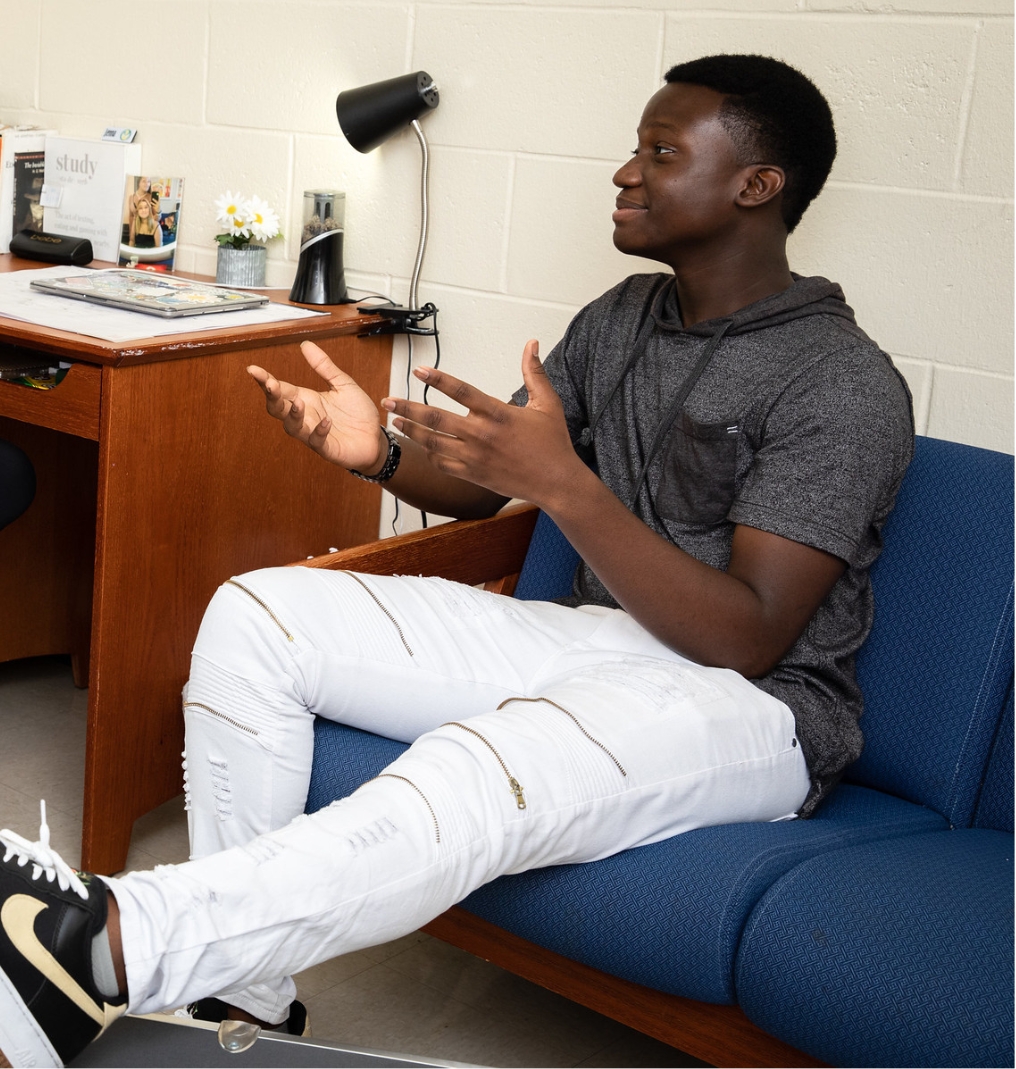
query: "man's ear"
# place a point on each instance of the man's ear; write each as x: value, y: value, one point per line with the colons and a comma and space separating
x: 761, y: 184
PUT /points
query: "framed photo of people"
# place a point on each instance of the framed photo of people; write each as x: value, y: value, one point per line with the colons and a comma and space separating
x: 151, y: 222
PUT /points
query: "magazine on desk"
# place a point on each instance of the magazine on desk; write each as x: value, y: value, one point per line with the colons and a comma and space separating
x: 154, y: 294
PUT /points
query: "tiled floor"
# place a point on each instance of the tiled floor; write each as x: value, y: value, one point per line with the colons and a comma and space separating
x: 416, y: 995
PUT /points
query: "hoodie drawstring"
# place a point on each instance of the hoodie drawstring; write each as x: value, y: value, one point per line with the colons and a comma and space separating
x: 637, y: 351
x: 675, y: 406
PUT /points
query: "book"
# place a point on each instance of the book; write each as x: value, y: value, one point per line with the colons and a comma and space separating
x: 150, y: 222
x: 16, y: 140
x: 84, y: 188
x: 29, y: 170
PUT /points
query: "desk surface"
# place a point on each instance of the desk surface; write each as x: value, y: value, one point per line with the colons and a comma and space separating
x: 338, y: 319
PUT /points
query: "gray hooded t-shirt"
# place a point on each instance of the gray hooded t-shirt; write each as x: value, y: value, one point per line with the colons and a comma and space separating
x: 798, y: 424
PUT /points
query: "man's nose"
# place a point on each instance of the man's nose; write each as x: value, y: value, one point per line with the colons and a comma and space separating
x: 627, y: 174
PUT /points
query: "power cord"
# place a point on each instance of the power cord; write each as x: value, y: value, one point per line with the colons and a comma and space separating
x: 406, y: 321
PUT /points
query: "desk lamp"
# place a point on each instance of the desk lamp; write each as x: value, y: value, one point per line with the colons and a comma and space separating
x: 369, y: 116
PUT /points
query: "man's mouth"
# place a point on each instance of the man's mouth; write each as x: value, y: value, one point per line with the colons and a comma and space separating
x: 625, y: 210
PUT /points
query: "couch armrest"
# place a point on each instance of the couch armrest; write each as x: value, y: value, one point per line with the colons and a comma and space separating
x: 489, y: 551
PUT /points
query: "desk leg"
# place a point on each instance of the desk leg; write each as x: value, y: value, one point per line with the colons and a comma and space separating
x: 196, y: 484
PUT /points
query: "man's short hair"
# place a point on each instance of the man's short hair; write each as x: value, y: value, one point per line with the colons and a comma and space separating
x: 773, y: 114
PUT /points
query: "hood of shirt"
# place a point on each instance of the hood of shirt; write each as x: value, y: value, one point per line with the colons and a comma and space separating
x: 806, y: 296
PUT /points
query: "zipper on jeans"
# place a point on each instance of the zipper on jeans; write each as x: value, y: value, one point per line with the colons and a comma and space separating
x: 513, y: 784
x: 250, y: 593
x: 383, y: 608
x: 221, y: 716
x: 426, y: 801
x: 575, y: 720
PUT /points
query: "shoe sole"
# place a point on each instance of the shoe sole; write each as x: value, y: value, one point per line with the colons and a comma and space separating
x: 22, y: 1041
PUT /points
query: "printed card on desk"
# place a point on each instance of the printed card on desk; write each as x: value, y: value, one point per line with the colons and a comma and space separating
x: 17, y: 141
x: 150, y: 222
x: 84, y: 190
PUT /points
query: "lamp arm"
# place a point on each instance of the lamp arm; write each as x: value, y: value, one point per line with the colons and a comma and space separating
x: 424, y: 211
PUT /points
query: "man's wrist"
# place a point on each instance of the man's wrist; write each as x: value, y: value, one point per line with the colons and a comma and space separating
x: 382, y: 454
x: 387, y: 461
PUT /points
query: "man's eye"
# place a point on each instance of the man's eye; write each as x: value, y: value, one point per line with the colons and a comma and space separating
x: 661, y: 150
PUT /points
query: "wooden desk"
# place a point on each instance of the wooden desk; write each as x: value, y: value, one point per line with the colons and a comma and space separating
x: 160, y: 475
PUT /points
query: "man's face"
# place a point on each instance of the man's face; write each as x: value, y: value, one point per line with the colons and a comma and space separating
x: 679, y: 187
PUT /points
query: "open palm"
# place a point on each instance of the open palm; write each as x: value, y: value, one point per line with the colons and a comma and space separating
x: 339, y: 423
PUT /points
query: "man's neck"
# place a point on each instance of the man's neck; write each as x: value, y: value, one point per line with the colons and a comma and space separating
x: 722, y: 285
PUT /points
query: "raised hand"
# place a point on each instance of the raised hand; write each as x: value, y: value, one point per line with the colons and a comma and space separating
x: 515, y: 452
x: 339, y: 423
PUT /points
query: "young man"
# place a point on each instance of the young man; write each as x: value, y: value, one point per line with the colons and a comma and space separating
x: 721, y: 445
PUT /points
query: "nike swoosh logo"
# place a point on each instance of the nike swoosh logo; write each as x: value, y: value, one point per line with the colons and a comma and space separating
x: 18, y: 919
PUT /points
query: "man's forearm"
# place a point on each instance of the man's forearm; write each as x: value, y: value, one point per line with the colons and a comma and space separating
x: 745, y: 618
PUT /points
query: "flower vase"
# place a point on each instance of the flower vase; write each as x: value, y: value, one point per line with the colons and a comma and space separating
x: 244, y: 266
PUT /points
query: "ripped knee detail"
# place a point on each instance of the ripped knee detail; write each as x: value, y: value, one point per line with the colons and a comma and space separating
x: 218, y: 778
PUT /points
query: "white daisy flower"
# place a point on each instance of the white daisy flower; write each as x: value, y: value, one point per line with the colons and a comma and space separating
x: 229, y: 206
x: 263, y: 220
x: 239, y: 226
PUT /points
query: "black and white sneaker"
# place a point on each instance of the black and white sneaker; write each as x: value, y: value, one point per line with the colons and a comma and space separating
x: 50, y: 1005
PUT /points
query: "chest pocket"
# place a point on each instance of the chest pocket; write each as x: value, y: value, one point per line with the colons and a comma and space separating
x: 699, y: 471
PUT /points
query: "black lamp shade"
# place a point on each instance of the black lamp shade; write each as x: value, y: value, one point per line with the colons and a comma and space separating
x: 370, y: 114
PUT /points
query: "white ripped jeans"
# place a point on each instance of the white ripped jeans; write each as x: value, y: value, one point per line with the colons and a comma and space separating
x: 542, y: 735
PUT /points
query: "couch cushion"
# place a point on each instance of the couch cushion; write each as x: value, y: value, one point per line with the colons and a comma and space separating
x: 889, y: 953
x: 550, y: 564
x: 670, y: 915
x: 345, y: 757
x: 995, y: 805
x: 938, y: 664
x: 651, y: 915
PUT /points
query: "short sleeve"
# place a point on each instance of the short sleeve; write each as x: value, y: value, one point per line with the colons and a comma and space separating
x: 834, y: 447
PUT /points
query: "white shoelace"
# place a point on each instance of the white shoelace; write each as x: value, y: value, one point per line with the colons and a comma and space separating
x: 43, y: 858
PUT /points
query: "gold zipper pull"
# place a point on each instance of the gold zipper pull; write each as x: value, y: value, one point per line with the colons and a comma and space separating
x: 516, y: 789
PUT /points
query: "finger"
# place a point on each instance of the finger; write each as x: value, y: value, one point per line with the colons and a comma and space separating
x: 533, y: 375
x: 277, y: 392
x: 321, y: 363
x: 268, y: 383
x: 426, y: 416
x: 317, y: 437
x: 457, y: 390
x: 293, y: 420
x: 258, y: 374
x: 272, y: 386
x: 439, y: 445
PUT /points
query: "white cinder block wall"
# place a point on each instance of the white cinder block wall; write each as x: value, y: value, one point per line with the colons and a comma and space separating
x: 539, y: 102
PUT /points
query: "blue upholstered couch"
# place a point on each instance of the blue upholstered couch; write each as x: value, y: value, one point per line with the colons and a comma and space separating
x: 878, y: 933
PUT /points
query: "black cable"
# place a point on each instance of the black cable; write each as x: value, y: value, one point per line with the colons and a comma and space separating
x: 437, y: 364
x: 437, y: 358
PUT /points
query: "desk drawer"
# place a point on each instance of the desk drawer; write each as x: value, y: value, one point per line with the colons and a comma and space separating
x: 71, y: 407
